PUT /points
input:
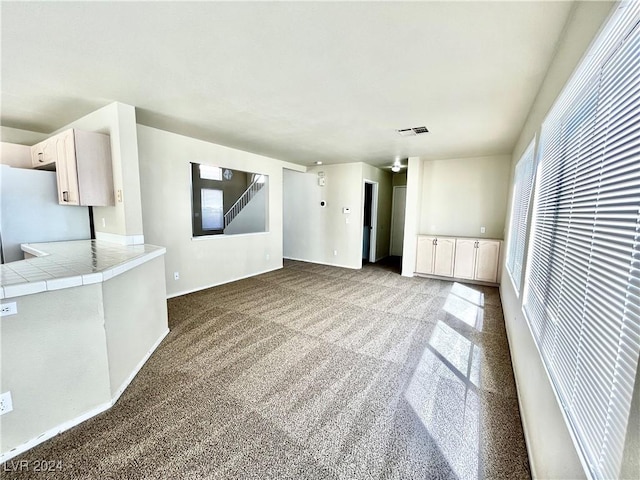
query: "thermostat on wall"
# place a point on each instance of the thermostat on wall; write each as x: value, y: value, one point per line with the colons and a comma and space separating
x: 346, y: 210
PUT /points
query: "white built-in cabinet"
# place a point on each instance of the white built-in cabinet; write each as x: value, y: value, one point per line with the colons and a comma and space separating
x: 465, y: 260
x: 477, y: 259
x: 435, y: 255
x: 82, y: 161
x: 461, y: 258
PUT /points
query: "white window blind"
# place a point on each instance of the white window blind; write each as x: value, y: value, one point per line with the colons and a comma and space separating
x: 582, y: 290
x: 523, y: 182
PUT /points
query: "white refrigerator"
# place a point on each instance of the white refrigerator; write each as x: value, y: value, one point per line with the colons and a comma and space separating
x: 30, y: 213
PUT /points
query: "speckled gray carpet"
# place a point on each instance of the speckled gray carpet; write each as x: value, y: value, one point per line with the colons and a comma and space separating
x: 313, y: 372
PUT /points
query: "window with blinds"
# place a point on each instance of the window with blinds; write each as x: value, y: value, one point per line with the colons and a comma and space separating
x: 523, y: 182
x: 582, y: 288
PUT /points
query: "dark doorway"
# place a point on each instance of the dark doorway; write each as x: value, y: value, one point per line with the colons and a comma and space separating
x: 368, y: 222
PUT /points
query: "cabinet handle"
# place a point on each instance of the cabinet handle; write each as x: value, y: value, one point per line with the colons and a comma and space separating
x: 65, y: 196
x: 40, y: 157
x: 435, y: 241
x: 476, y: 244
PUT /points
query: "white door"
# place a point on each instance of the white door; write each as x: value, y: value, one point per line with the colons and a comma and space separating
x: 397, y: 220
x: 465, y: 261
x: 487, y: 256
x: 445, y: 250
x: 424, y: 254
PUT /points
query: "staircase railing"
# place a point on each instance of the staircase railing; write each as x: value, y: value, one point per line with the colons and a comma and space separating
x: 244, y: 199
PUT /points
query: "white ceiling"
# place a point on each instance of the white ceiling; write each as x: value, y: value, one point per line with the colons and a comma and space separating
x: 296, y: 81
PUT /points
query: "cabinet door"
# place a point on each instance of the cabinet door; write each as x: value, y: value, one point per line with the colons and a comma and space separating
x: 445, y: 251
x: 93, y: 167
x: 44, y: 154
x: 424, y: 254
x: 66, y: 172
x: 465, y: 259
x: 487, y: 257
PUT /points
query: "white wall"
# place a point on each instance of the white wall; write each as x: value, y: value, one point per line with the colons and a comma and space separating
x: 253, y: 217
x: 23, y: 137
x: 15, y: 155
x: 412, y: 215
x: 321, y: 234
x: 135, y: 319
x: 165, y: 178
x: 303, y: 220
x: 551, y: 451
x: 313, y: 233
x: 461, y: 195
x: 54, y: 361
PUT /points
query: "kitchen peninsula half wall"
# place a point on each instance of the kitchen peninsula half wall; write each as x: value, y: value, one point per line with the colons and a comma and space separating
x: 89, y: 315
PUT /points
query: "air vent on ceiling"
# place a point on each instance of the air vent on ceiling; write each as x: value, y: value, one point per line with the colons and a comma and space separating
x: 409, y: 132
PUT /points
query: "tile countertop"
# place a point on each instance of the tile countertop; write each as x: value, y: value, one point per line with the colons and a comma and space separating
x: 70, y: 264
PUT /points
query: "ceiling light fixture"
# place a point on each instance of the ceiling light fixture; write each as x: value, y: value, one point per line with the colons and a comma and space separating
x: 395, y: 168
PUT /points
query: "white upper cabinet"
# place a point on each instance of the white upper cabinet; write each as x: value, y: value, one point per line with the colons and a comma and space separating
x: 83, y: 166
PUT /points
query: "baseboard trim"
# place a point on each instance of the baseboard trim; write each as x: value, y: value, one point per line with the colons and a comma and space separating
x: 456, y: 279
x: 52, y: 432
x: 197, y: 289
x: 322, y: 263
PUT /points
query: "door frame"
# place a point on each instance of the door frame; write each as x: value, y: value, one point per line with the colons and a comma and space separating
x: 374, y: 220
x: 393, y: 214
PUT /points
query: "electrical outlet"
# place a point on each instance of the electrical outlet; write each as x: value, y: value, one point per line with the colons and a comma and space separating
x: 483, y: 230
x: 6, y: 404
x: 104, y: 223
x: 335, y: 253
x: 8, y: 309
x: 176, y: 275
x: 268, y: 256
